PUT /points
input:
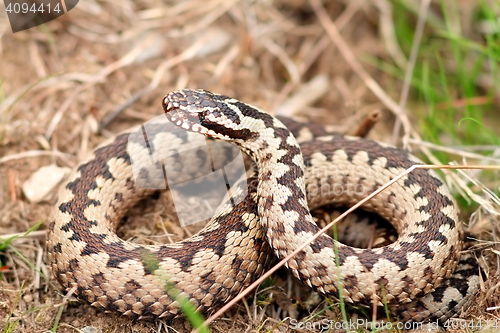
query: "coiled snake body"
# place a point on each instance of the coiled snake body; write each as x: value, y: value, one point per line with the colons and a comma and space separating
x: 416, y: 276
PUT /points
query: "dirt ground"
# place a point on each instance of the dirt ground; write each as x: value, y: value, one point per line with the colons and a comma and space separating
x: 68, y: 85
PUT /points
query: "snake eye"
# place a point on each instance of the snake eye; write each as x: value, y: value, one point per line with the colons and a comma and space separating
x: 195, y: 118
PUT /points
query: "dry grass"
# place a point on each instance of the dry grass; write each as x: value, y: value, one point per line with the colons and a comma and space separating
x: 104, y: 67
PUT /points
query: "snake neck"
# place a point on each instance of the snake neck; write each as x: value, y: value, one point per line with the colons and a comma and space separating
x: 282, y: 201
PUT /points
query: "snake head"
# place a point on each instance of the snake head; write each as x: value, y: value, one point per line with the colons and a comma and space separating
x: 204, y: 112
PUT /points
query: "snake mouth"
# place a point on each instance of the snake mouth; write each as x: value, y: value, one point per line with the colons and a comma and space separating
x: 190, y: 121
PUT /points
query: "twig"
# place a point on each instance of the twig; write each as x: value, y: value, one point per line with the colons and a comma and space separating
x: 283, y: 57
x: 318, y: 48
x: 12, y: 185
x: 60, y: 112
x: 62, y: 306
x: 370, y: 120
x: 457, y: 150
x: 187, y: 54
x: 422, y: 15
x: 337, y: 39
x: 388, y: 32
x: 33, y: 153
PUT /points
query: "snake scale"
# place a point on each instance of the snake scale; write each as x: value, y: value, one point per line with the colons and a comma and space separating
x: 423, y: 275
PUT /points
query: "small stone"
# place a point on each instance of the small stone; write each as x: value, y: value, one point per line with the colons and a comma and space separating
x: 42, y: 183
x: 91, y: 329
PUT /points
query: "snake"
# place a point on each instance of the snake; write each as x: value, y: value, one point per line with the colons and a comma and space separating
x: 424, y: 275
